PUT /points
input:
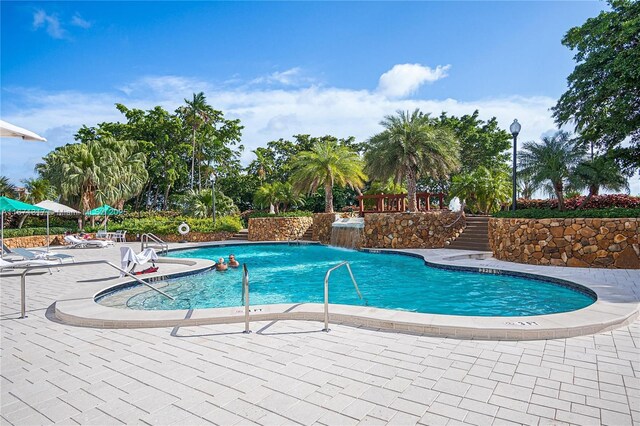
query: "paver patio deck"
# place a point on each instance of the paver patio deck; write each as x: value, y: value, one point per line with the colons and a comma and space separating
x: 289, y: 372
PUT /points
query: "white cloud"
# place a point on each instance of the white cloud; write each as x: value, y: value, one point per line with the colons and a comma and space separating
x: 405, y: 79
x: 290, y: 77
x: 267, y: 114
x: 51, y: 22
x: 79, y: 22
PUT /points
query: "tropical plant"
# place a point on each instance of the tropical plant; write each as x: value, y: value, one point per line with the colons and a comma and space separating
x: 410, y: 146
x: 288, y: 197
x: 267, y: 195
x: 599, y: 172
x: 100, y: 171
x: 327, y: 164
x: 483, y: 191
x: 198, y: 204
x: 7, y: 189
x: 37, y: 190
x: 552, y: 161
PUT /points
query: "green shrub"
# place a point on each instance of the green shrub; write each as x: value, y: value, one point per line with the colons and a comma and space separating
x: 552, y: 214
x: 27, y: 232
x: 296, y: 213
x: 157, y: 224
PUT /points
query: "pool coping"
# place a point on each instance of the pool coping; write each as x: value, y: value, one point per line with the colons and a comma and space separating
x: 612, y: 309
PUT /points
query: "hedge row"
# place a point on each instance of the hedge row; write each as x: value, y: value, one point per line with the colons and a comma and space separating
x: 169, y: 225
x: 296, y: 213
x: 574, y: 203
x: 28, y: 232
x: 553, y: 214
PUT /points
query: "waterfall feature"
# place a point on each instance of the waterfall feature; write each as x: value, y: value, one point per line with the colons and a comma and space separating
x: 347, y: 232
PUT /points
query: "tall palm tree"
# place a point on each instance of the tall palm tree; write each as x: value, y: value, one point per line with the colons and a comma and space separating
x: 411, y: 146
x: 7, y: 189
x: 553, y: 160
x: 37, y: 190
x: 196, y: 113
x: 288, y: 197
x: 327, y: 164
x: 599, y: 172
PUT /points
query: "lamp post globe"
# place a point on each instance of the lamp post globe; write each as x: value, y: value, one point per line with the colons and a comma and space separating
x: 515, y: 130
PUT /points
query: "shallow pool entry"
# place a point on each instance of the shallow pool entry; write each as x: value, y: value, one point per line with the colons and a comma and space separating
x: 283, y: 273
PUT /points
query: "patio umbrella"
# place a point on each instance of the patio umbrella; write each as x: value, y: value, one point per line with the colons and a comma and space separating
x: 14, y: 206
x: 104, y: 210
x: 57, y: 209
x: 8, y: 130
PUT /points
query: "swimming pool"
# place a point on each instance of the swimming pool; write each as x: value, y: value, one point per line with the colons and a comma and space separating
x: 280, y: 273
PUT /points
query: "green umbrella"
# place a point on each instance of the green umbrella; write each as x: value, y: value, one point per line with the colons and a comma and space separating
x: 104, y: 210
x: 15, y: 206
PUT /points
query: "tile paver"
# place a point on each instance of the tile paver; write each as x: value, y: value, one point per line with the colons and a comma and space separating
x: 289, y: 374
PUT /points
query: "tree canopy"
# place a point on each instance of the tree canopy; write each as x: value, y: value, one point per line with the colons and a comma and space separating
x: 603, y: 97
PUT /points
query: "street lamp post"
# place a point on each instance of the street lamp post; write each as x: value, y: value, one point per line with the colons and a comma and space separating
x: 213, y: 196
x: 515, y: 130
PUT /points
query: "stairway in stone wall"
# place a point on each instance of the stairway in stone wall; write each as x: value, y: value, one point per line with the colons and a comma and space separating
x: 475, y: 235
x: 243, y: 235
x: 308, y: 234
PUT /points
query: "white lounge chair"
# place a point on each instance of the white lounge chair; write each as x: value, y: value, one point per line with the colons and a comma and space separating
x: 5, y: 264
x: 76, y: 242
x: 41, y: 255
x: 129, y: 258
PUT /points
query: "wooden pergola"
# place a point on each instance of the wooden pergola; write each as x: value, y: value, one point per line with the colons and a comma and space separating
x: 396, y: 203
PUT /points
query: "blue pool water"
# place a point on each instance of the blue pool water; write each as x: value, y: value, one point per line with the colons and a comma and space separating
x: 280, y: 273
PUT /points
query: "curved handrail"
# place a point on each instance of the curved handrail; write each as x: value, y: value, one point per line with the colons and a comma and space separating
x: 326, y: 290
x: 144, y: 242
x: 245, y: 297
x: 23, y: 300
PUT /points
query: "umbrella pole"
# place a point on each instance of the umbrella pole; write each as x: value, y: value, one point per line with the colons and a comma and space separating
x: 47, y: 231
x: 2, y: 233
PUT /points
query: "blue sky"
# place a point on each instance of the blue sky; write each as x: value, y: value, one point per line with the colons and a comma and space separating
x: 281, y: 67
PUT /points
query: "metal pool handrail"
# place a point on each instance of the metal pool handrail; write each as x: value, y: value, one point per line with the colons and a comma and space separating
x: 23, y: 279
x: 326, y: 290
x: 245, y: 297
x: 144, y: 242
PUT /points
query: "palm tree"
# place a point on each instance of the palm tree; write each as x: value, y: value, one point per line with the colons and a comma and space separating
x: 599, y: 172
x: 288, y: 197
x: 553, y: 160
x: 268, y: 195
x: 196, y: 113
x: 96, y: 172
x: 7, y: 189
x: 198, y: 203
x: 327, y: 164
x: 411, y: 146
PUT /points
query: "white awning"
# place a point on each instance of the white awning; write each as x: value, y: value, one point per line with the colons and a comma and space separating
x: 57, y: 208
x: 8, y: 130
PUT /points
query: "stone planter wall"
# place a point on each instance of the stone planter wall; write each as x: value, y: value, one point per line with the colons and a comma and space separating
x: 411, y: 230
x: 322, y: 227
x: 598, y: 243
x: 34, y: 241
x: 278, y: 228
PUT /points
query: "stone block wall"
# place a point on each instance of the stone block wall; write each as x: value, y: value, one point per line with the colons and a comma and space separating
x: 34, y: 241
x: 411, y: 230
x: 598, y: 243
x: 322, y: 227
x: 192, y: 237
x: 278, y: 228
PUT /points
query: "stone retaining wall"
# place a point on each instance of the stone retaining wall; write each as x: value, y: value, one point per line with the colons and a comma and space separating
x: 598, y: 243
x: 34, y: 241
x: 322, y: 227
x: 411, y: 230
x: 278, y: 228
